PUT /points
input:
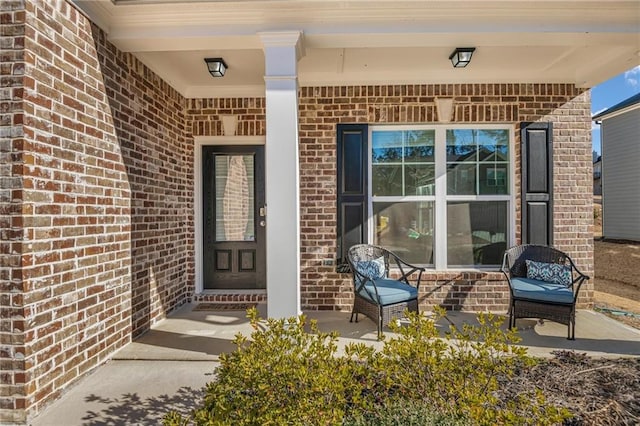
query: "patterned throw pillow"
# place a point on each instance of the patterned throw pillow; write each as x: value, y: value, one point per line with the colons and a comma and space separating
x: 549, y: 272
x: 371, y: 268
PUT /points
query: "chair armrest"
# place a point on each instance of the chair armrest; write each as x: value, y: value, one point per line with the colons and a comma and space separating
x: 359, y: 281
x: 575, y: 268
x: 411, y: 269
x: 504, y: 268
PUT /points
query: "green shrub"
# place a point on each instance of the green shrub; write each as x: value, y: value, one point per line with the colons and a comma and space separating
x: 288, y: 375
x: 402, y: 413
x: 461, y: 375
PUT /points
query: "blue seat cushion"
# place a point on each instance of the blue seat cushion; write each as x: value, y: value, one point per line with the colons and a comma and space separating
x: 526, y: 288
x: 389, y: 291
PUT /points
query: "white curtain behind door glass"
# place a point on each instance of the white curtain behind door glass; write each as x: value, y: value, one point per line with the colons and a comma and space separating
x: 234, y: 198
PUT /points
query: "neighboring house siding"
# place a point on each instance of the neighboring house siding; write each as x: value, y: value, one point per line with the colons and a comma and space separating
x: 621, y: 176
x: 102, y: 216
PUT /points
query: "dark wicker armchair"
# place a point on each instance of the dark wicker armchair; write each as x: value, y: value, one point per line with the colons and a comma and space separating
x: 546, y: 289
x: 376, y: 295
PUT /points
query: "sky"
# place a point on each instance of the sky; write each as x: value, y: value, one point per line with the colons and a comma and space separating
x: 609, y: 93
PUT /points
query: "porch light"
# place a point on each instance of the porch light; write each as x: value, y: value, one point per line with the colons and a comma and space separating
x: 461, y: 57
x: 216, y: 66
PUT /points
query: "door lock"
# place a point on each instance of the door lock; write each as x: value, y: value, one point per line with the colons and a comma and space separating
x: 262, y: 211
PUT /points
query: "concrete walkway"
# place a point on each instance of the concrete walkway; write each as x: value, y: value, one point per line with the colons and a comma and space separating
x: 167, y: 367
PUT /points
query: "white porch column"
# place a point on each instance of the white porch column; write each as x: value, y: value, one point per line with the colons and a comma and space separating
x: 282, y: 50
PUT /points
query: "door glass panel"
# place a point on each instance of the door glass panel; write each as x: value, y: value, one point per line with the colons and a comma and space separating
x: 235, y: 199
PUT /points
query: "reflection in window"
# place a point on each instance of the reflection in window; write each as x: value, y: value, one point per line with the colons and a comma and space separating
x: 474, y: 197
x: 234, y: 198
x: 477, y: 162
x: 403, y: 162
x: 406, y: 228
x: 476, y: 232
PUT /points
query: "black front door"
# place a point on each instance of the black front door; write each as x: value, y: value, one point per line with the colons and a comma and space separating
x: 234, y: 217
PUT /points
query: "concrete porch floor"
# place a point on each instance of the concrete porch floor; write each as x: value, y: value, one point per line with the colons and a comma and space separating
x: 168, y: 366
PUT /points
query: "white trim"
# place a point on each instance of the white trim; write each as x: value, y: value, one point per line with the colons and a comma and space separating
x: 624, y: 110
x: 441, y: 198
x: 440, y: 241
x: 198, y: 143
x: 229, y: 140
x: 260, y: 291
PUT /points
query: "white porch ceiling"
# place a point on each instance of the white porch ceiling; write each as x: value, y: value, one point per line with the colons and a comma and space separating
x: 376, y: 42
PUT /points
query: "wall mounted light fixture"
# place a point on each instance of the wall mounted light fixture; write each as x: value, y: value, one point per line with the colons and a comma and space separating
x: 216, y: 66
x: 461, y: 57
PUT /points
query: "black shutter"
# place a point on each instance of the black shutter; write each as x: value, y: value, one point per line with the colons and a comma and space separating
x: 352, y: 188
x: 537, y: 183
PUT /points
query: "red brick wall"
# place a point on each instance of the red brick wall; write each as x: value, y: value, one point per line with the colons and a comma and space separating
x: 150, y: 126
x: 204, y: 116
x: 321, y: 108
x: 12, y: 348
x: 204, y: 119
x: 99, y: 216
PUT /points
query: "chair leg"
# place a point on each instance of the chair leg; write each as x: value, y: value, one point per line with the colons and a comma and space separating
x: 353, y: 312
x: 512, y: 320
x: 572, y: 329
x: 379, y: 323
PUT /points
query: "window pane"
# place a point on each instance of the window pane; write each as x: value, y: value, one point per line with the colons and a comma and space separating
x: 494, y: 178
x: 387, y: 180
x: 419, y: 146
x: 493, y: 145
x: 406, y: 228
x: 420, y: 179
x: 386, y: 147
x: 234, y: 198
x: 461, y: 179
x: 489, y: 150
x: 461, y: 145
x: 476, y: 232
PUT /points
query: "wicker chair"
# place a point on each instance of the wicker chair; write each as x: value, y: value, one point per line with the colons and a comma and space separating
x: 375, y: 294
x: 540, y: 292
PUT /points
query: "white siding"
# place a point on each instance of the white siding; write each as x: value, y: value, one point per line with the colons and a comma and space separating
x: 621, y: 176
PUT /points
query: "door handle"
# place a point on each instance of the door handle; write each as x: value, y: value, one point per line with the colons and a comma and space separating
x: 262, y: 211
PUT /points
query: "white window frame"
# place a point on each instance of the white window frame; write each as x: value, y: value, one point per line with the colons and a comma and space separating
x: 440, y: 198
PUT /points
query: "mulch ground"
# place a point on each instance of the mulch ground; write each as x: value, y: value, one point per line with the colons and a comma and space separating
x: 599, y: 392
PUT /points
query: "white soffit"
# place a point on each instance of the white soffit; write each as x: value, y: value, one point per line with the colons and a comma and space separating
x: 377, y: 42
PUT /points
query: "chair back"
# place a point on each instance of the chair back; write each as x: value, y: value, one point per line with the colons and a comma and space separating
x: 515, y: 258
x: 368, y: 261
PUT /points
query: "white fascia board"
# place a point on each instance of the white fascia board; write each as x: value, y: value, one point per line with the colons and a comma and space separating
x: 620, y: 112
x: 360, y: 17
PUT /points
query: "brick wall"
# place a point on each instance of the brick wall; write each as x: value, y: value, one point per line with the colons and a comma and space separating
x: 99, y: 216
x: 12, y: 350
x: 150, y: 124
x: 204, y: 118
x: 321, y: 108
